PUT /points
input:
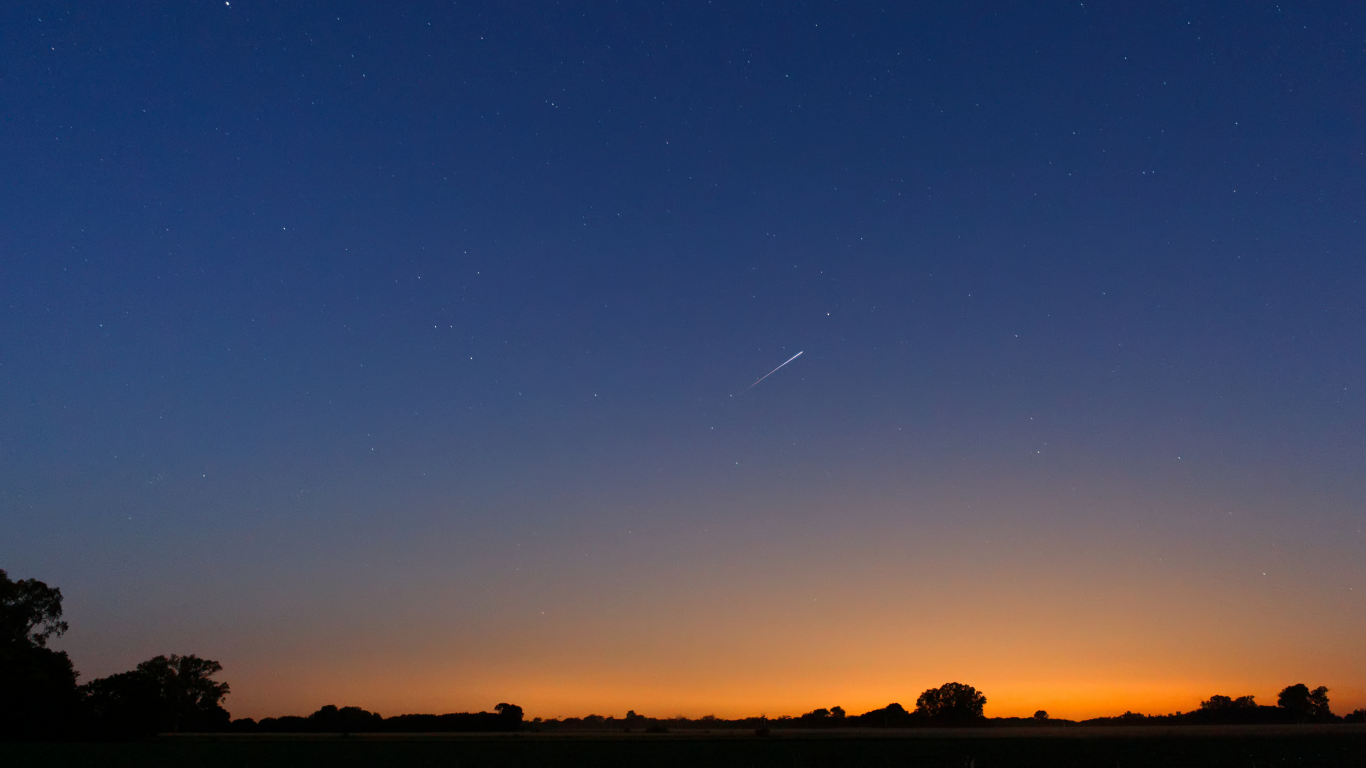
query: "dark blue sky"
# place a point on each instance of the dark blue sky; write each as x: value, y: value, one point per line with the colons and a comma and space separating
x: 346, y: 321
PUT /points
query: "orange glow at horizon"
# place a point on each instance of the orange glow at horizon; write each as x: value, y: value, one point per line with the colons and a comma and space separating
x: 1076, y: 620
x: 1072, y: 700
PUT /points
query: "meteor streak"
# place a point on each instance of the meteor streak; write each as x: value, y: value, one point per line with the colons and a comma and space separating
x: 770, y: 373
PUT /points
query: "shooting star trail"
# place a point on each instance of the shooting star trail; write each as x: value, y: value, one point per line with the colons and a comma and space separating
x: 770, y: 373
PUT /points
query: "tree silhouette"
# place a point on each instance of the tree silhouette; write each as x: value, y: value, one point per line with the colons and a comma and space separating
x: 30, y: 611
x: 1305, y: 705
x: 330, y: 719
x: 192, y: 697
x: 125, y: 705
x: 1227, y: 710
x: 822, y: 718
x: 510, y: 714
x: 951, y: 703
x: 1224, y: 703
x: 175, y: 693
x: 38, y: 695
x: 891, y: 716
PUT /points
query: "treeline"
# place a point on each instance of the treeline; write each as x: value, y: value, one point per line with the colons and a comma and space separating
x: 956, y: 704
x: 331, y: 719
x: 40, y: 699
x: 949, y: 704
x: 1295, y: 704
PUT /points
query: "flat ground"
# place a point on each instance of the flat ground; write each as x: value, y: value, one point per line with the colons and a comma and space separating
x: 960, y: 748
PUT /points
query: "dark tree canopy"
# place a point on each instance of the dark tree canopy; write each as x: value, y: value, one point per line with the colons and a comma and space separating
x: 30, y: 611
x: 823, y: 718
x: 951, y: 702
x: 330, y: 719
x: 175, y: 693
x: 38, y: 695
x: 39, y: 698
x: 1305, y: 705
x: 509, y: 712
x: 891, y: 716
x: 1224, y: 703
x: 186, y: 684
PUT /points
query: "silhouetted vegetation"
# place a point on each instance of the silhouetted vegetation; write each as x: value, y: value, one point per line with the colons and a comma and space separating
x: 951, y: 704
x: 331, y: 719
x: 1304, y: 705
x: 162, y: 695
x: 38, y: 696
x: 40, y: 699
x: 1295, y: 704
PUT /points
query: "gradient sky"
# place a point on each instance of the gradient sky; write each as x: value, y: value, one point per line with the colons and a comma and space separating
x: 397, y: 358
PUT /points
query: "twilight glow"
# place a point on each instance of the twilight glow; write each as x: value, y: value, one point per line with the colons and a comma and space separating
x: 394, y: 358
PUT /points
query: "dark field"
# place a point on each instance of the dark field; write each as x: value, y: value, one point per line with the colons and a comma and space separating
x: 1126, y: 747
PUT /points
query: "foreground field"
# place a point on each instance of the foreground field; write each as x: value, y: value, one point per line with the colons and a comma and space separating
x: 985, y: 748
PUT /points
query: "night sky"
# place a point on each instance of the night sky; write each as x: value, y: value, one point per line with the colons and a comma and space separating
x: 396, y: 355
